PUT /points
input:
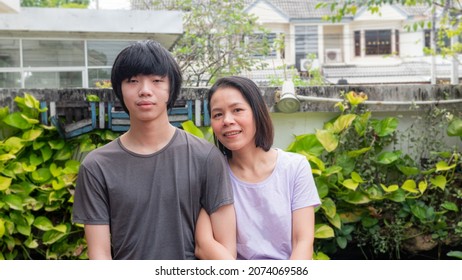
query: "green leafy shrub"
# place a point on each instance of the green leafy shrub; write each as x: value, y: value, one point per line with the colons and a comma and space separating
x: 37, y: 178
x: 375, y: 196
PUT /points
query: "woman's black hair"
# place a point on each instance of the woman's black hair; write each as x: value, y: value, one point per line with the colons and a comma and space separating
x: 264, y: 134
x: 146, y: 58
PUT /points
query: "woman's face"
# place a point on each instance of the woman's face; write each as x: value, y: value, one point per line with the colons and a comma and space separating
x: 232, y: 119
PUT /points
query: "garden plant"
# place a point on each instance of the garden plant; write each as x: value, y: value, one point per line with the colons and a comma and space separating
x: 375, y: 197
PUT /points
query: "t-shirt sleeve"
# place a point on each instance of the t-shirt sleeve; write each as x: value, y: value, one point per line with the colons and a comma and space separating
x: 90, y: 199
x: 305, y: 192
x: 217, y: 190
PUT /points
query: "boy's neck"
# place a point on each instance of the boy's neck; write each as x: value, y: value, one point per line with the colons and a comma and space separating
x: 148, y: 138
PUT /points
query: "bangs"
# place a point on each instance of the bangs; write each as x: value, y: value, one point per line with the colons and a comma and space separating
x: 143, y: 61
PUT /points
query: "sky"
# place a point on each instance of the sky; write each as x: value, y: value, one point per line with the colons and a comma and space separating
x: 110, y: 4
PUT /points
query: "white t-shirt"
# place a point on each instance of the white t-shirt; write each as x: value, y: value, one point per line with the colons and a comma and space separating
x: 264, y: 209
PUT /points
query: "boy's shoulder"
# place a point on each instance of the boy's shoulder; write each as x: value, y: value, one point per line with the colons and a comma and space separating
x: 193, y: 139
x: 108, y: 148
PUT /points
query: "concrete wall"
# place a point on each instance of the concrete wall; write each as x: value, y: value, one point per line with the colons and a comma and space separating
x: 312, y: 115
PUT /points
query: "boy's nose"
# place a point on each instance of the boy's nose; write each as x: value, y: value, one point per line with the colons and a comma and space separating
x: 145, y: 89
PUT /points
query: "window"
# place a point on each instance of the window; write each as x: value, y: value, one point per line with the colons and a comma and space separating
x: 397, y: 42
x: 103, y: 53
x: 357, y: 43
x: 54, y: 63
x: 53, y: 79
x: 428, y: 40
x: 267, y: 41
x: 306, y: 42
x: 9, y: 53
x: 378, y: 42
x: 10, y: 80
x: 53, y: 53
x: 101, y: 56
x: 98, y: 75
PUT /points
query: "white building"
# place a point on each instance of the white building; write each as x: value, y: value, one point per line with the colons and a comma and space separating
x: 362, y: 49
x: 72, y: 48
x: 59, y: 48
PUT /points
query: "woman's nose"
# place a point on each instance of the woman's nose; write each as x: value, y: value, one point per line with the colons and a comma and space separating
x: 228, y: 119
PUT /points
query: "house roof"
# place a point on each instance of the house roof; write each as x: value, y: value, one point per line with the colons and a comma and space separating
x: 164, y: 26
x: 264, y: 76
x: 306, y: 9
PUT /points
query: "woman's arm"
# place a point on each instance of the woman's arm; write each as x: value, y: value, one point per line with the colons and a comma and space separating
x: 302, y: 233
x: 207, y: 245
x: 99, y: 242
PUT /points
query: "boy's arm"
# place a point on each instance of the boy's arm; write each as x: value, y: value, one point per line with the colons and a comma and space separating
x: 302, y: 233
x: 98, y: 241
x: 216, y: 235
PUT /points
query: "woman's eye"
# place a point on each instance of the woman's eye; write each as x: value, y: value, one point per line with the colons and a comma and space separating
x: 216, y: 115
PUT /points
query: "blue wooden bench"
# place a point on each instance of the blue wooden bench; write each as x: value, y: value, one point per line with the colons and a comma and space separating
x: 118, y: 120
x: 68, y: 130
x: 105, y: 115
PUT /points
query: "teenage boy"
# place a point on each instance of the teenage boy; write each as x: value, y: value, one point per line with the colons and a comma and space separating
x: 140, y: 195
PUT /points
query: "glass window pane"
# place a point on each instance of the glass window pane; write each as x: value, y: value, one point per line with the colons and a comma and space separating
x: 378, y: 42
x: 371, y: 42
x: 427, y: 39
x: 98, y: 75
x: 10, y: 80
x: 9, y: 53
x: 53, y: 79
x: 357, y: 43
x: 384, y: 41
x: 103, y: 53
x: 267, y: 41
x: 53, y: 53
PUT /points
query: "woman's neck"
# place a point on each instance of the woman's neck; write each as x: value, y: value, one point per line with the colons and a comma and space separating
x: 253, y: 166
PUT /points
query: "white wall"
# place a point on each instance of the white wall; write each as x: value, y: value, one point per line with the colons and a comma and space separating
x: 289, y: 125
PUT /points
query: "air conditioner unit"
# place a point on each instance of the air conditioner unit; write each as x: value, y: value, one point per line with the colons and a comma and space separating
x: 305, y: 65
x: 333, y: 56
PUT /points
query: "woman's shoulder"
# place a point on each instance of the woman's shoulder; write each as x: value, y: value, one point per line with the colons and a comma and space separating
x: 290, y: 156
x: 290, y: 161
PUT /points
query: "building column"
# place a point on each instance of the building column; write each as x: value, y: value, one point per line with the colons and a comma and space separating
x: 321, y: 44
x: 348, y: 43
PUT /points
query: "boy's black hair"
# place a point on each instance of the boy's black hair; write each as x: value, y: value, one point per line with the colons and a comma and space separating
x: 264, y: 134
x: 146, y: 58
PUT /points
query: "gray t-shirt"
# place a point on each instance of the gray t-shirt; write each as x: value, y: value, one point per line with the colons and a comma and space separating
x: 152, y: 202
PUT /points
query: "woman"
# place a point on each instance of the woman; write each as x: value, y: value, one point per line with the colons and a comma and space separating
x: 274, y: 190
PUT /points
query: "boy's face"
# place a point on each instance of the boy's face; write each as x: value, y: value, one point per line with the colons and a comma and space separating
x: 146, y: 96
